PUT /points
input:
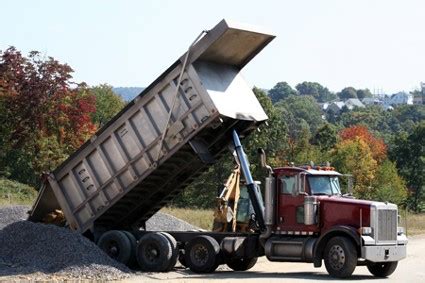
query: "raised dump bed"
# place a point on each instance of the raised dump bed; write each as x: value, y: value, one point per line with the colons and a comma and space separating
x: 130, y: 169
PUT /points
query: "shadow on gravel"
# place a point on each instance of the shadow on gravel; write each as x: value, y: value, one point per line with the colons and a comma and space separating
x: 27, y: 247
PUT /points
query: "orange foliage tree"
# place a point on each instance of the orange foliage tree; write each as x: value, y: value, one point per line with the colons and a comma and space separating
x: 376, y: 145
x: 44, y: 117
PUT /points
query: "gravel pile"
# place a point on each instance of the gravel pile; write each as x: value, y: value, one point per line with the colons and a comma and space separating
x: 50, y: 252
x: 34, y: 251
x: 165, y: 222
x: 10, y: 214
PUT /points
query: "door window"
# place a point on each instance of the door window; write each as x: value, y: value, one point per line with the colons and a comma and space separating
x: 288, y: 185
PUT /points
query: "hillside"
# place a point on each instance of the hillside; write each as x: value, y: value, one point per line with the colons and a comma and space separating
x: 128, y: 93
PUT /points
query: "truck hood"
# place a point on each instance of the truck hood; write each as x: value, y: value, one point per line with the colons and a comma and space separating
x: 344, y: 200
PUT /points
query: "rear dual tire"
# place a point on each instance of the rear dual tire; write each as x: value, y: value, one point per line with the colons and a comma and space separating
x: 157, y: 252
x: 118, y: 245
x: 202, y: 254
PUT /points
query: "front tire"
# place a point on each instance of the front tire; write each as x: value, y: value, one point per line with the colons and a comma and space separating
x: 382, y: 269
x: 340, y: 257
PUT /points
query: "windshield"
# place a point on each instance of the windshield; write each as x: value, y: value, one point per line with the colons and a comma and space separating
x: 324, y: 185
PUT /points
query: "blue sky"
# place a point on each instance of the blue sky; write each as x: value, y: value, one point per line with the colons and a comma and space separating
x: 374, y: 44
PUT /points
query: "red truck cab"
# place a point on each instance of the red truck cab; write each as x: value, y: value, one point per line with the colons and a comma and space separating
x: 311, y: 220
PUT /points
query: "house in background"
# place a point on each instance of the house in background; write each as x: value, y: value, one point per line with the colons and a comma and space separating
x: 351, y: 103
x: 399, y: 98
x: 372, y: 101
x: 335, y: 107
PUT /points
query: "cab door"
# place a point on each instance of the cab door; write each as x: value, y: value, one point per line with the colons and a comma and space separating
x: 291, y: 192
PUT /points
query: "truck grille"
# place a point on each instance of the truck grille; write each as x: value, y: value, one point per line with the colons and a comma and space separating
x: 387, y: 225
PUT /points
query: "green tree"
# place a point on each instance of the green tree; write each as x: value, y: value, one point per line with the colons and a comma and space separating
x: 348, y: 92
x: 297, y: 108
x: 326, y: 137
x: 388, y: 185
x: 108, y: 104
x: 408, y: 152
x: 272, y: 137
x: 363, y: 93
x: 281, y: 91
x: 319, y: 92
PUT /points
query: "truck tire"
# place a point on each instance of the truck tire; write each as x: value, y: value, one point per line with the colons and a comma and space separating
x: 154, y: 252
x: 175, y: 251
x: 241, y: 264
x: 117, y: 245
x: 382, y: 269
x: 132, y: 262
x: 340, y: 257
x: 201, y: 254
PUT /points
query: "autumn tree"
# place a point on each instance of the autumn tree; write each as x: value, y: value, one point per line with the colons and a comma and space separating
x: 354, y: 156
x: 44, y: 117
x: 376, y: 145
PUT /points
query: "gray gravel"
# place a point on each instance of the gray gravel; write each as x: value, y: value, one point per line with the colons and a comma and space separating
x: 34, y: 251
x: 49, y: 252
x: 165, y: 222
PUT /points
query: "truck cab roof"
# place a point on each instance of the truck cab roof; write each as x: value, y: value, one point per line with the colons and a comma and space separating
x: 310, y: 170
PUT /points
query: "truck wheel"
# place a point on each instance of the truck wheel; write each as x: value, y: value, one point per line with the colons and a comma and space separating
x: 382, y: 269
x: 132, y: 262
x: 175, y: 251
x: 154, y: 252
x: 117, y: 245
x: 201, y: 254
x: 241, y: 264
x: 340, y: 257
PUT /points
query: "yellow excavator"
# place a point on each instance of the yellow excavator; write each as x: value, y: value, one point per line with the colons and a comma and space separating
x: 233, y: 212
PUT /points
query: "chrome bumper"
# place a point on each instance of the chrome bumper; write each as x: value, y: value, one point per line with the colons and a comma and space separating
x: 385, y: 253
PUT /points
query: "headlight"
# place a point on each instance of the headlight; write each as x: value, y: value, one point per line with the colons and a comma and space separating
x: 400, y: 230
x: 365, y: 231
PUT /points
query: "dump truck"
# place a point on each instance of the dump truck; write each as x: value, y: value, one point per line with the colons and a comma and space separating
x: 192, y: 114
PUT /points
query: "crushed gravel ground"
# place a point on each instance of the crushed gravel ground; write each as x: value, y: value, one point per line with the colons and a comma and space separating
x: 34, y: 251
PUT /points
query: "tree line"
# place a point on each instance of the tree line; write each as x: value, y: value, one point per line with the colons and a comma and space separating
x: 383, y: 150
x: 45, y: 116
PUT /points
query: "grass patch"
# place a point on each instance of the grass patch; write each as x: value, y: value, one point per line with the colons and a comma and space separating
x: 12, y: 192
x: 413, y: 223
x: 202, y: 218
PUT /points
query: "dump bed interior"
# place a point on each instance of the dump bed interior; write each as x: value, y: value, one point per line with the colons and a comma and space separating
x: 126, y: 173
